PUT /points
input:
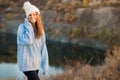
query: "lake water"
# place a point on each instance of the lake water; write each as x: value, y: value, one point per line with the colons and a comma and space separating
x: 10, y: 70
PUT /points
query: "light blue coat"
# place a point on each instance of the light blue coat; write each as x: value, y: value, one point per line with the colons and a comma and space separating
x: 32, y: 53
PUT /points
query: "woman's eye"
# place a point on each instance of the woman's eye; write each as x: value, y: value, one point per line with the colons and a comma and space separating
x: 35, y: 14
x: 30, y: 15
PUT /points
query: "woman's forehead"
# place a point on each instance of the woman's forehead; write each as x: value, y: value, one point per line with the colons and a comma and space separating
x: 32, y: 13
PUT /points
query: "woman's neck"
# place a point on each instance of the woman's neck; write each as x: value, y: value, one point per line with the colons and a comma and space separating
x: 33, y: 25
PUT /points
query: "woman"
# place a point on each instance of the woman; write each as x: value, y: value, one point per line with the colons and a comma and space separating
x: 32, y: 51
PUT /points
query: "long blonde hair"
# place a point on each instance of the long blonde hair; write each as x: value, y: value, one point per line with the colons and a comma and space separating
x: 38, y: 27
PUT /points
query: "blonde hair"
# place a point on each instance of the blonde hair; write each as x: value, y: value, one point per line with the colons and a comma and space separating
x: 39, y: 27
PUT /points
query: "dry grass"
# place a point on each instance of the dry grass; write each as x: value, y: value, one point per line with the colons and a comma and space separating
x: 108, y: 71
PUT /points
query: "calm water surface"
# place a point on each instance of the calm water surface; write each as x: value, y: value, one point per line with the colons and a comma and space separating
x: 10, y: 70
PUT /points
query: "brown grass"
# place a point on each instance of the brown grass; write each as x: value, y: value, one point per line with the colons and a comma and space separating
x: 108, y: 71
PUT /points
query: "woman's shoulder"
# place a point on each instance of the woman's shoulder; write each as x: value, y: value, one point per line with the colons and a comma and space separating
x: 21, y: 26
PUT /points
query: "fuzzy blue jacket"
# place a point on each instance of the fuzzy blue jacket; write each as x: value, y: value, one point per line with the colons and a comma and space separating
x: 32, y: 53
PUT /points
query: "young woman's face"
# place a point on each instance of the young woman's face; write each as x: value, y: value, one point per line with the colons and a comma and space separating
x: 32, y: 17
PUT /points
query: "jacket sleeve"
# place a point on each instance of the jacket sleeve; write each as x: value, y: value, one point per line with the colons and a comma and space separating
x: 44, y: 56
x: 25, y: 34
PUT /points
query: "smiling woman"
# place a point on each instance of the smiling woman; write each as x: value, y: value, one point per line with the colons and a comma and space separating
x: 32, y: 51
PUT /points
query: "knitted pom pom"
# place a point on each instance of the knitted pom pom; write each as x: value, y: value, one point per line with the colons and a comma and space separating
x: 26, y: 4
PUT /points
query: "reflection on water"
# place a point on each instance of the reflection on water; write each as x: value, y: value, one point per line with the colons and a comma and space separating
x: 8, y: 70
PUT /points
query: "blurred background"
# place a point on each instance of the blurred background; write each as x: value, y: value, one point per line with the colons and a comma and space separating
x: 76, y: 30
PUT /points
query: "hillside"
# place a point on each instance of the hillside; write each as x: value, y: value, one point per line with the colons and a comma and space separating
x: 67, y: 20
x: 67, y: 24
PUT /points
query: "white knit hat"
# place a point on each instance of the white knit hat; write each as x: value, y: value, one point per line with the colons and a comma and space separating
x: 28, y: 7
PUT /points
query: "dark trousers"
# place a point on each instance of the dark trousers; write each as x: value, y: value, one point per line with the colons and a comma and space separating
x: 32, y: 75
